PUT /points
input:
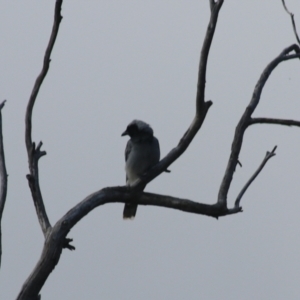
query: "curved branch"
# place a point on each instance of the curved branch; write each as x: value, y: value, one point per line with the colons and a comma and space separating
x: 245, y: 120
x: 54, y: 241
x: 42, y: 75
x: 3, y: 178
x: 35, y: 153
x: 244, y: 189
x: 201, y: 105
x: 285, y: 122
x: 123, y: 195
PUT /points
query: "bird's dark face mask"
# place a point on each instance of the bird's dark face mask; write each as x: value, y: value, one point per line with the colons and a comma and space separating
x: 131, y: 130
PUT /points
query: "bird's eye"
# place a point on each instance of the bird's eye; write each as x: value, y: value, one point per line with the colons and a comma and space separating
x: 132, y: 129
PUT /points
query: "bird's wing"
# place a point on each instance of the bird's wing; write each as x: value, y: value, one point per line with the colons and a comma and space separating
x: 156, y: 148
x: 128, y: 149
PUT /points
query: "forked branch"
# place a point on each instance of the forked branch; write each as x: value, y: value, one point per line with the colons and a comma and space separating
x: 56, y: 237
x: 34, y: 153
x: 246, y: 120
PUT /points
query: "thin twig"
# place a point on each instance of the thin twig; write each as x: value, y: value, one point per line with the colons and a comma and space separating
x: 293, y: 21
x: 3, y: 178
x: 244, y: 189
x: 245, y: 120
x: 200, y: 98
x: 35, y: 153
x: 285, y: 122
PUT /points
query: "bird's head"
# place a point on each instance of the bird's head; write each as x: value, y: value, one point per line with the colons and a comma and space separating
x: 138, y: 128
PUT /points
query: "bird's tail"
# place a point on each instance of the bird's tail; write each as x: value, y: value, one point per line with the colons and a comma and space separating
x: 129, y: 211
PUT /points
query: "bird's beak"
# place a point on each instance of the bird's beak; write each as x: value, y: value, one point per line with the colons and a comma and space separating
x: 124, y: 133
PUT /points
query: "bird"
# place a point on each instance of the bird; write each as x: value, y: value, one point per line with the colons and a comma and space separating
x: 141, y: 154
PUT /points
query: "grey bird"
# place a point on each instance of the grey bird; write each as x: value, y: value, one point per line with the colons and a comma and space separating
x: 141, y: 154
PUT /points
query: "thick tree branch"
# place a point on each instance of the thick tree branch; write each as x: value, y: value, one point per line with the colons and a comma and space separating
x: 201, y: 105
x: 245, y: 120
x: 35, y: 153
x: 293, y: 21
x: 244, y: 189
x: 3, y: 178
x: 274, y: 121
x: 55, y: 240
x: 122, y: 195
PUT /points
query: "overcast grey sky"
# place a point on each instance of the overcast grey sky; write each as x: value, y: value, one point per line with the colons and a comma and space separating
x: 115, y: 61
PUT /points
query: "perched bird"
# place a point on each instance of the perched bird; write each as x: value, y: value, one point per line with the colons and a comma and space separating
x: 141, y: 154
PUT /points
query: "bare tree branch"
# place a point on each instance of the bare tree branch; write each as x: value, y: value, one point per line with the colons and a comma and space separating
x: 122, y: 195
x: 3, y: 178
x: 274, y: 121
x: 244, y: 189
x: 54, y: 241
x: 201, y: 106
x: 245, y: 120
x: 56, y: 236
x: 293, y: 21
x: 35, y: 153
